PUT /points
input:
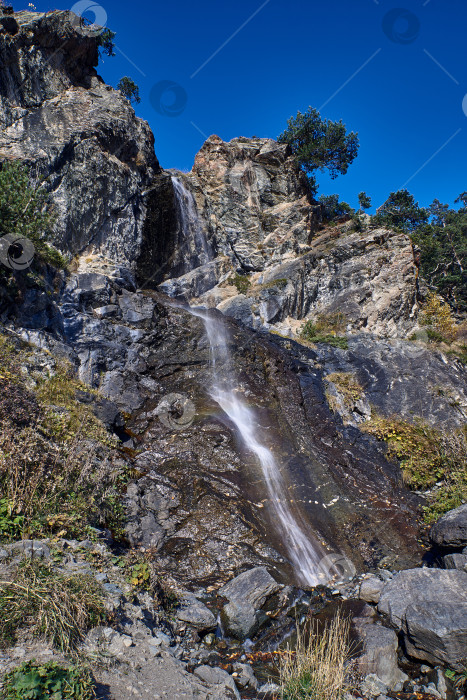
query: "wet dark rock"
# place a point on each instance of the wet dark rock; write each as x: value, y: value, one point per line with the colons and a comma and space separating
x: 437, y: 632
x: 451, y: 530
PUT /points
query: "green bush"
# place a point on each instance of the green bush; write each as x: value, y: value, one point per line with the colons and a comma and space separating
x: 241, y: 282
x: 25, y: 211
x: 33, y: 681
x: 426, y: 456
x: 325, y: 329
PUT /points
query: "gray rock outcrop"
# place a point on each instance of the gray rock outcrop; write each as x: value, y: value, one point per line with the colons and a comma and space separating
x: 416, y: 586
x: 83, y: 138
x: 437, y: 632
x: 451, y: 530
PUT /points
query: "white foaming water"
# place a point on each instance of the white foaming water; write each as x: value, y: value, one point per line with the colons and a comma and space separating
x: 190, y: 223
x: 305, y: 554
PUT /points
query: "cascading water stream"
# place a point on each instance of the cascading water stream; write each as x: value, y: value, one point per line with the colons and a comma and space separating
x: 191, y: 227
x: 305, y: 553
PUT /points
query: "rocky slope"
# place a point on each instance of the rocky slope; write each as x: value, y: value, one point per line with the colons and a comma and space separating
x: 239, y: 235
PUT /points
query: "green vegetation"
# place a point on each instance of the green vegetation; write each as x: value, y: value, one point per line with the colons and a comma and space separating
x: 273, y: 284
x: 440, y: 233
x: 242, y: 283
x: 56, y: 475
x: 55, y: 607
x: 40, y: 681
x: 129, y: 89
x: 317, y: 667
x: 325, y: 330
x: 25, y: 211
x: 347, y: 385
x: 140, y: 575
x: 106, y: 44
x: 364, y: 201
x: 333, y: 208
x: 320, y: 144
x: 426, y: 456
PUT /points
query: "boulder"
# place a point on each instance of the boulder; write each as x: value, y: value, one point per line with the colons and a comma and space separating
x: 416, y: 586
x: 380, y: 655
x: 239, y: 620
x: 451, y: 530
x: 455, y: 561
x: 370, y: 589
x: 195, y: 613
x: 437, y: 633
x: 251, y: 588
x: 218, y: 677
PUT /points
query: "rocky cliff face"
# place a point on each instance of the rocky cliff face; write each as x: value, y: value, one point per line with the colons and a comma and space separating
x: 198, y: 501
x: 261, y: 224
x: 82, y: 136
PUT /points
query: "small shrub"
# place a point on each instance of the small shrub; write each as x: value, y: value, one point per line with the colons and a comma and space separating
x: 317, y: 667
x: 50, y: 680
x: 57, y: 608
x: 325, y: 329
x: 140, y: 575
x: 438, y: 316
x: 279, y: 283
x: 241, y: 282
x: 347, y: 385
x: 25, y: 210
x: 426, y: 456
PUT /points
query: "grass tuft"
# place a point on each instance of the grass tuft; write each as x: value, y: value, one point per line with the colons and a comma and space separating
x: 317, y: 667
x: 57, y: 608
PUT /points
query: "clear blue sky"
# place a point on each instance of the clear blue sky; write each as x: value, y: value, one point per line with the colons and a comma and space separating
x: 405, y: 99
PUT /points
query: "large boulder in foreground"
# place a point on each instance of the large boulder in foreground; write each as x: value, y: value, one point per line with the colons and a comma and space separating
x: 437, y: 633
x: 451, y: 530
x: 430, y: 607
x: 419, y: 586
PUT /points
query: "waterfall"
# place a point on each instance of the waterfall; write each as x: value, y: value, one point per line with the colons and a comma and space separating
x: 304, y: 552
x: 197, y: 248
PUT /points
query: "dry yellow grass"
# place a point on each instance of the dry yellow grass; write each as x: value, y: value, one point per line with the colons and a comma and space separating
x: 317, y: 668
